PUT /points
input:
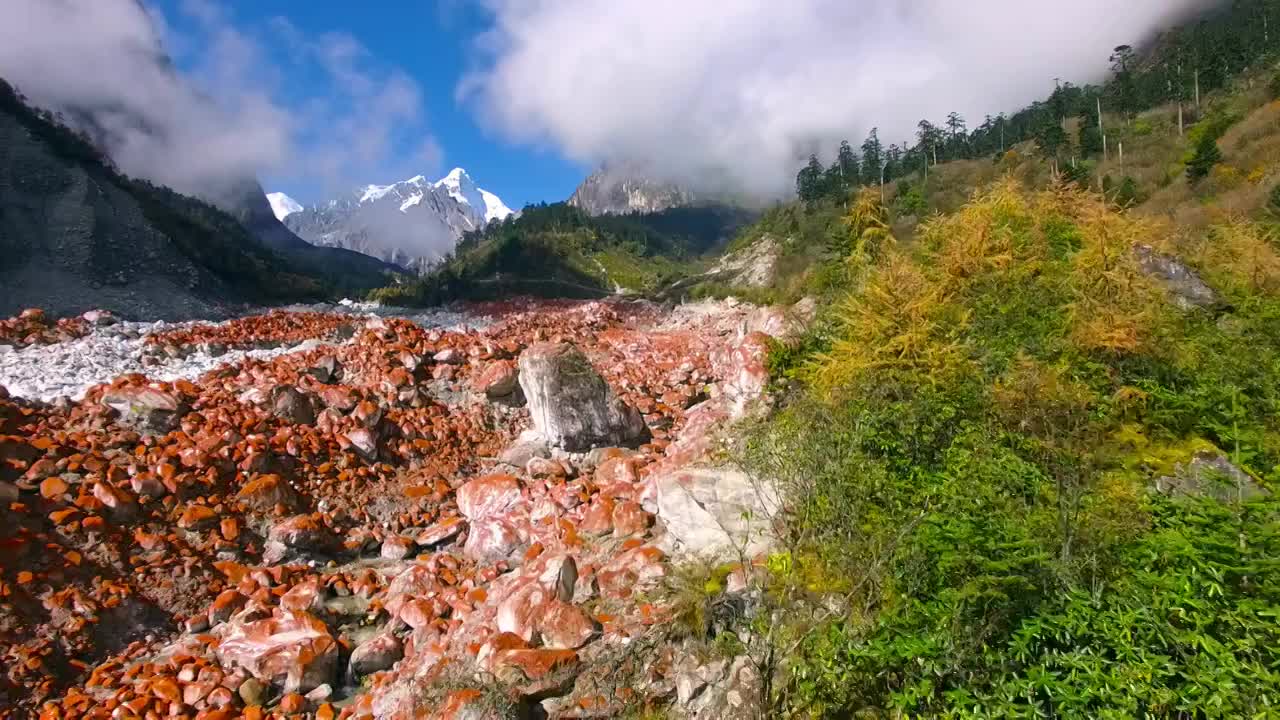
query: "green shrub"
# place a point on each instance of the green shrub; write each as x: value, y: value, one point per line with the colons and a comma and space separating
x: 970, y: 473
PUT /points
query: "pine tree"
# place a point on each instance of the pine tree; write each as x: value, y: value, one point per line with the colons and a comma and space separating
x: 1205, y: 156
x: 809, y: 181
x: 872, y: 158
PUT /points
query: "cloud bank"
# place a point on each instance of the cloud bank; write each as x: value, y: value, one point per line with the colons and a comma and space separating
x: 273, y: 100
x: 703, y: 91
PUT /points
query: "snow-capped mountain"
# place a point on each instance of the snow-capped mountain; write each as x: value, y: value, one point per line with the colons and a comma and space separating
x: 413, y: 223
x: 282, y: 205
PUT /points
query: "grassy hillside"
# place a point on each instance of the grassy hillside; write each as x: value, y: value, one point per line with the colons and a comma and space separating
x: 1024, y: 482
x: 560, y: 251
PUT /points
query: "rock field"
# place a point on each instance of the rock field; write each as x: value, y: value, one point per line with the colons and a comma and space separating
x: 347, y: 513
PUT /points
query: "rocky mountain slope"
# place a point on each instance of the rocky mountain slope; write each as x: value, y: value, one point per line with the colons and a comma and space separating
x: 76, y: 235
x: 413, y: 223
x: 620, y: 191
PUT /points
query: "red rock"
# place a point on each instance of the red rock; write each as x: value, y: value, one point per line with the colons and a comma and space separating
x: 629, y: 519
x: 520, y: 613
x: 292, y: 703
x: 374, y: 655
x: 302, y: 532
x: 544, y: 468
x: 492, y: 539
x: 291, y: 649
x: 197, y: 517
x: 536, y: 664
x: 225, y: 605
x: 53, y: 487
x: 499, y: 379
x: 598, y: 519
x: 397, y: 547
x: 488, y: 496
x: 564, y: 626
x: 266, y: 492
x: 441, y: 531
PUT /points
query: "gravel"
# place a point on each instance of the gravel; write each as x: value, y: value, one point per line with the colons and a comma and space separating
x: 68, y: 369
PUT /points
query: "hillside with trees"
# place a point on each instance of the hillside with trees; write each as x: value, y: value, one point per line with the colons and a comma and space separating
x: 560, y: 250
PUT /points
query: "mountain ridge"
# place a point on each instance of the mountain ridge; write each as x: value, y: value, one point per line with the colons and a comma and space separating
x: 412, y: 223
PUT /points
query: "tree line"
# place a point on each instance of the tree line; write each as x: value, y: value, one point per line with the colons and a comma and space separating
x: 1180, y: 66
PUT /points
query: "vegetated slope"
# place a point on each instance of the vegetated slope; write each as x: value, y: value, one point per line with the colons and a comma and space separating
x: 1032, y: 460
x: 75, y: 234
x: 561, y: 251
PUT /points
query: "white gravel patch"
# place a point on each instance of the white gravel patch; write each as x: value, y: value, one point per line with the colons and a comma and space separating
x: 68, y: 369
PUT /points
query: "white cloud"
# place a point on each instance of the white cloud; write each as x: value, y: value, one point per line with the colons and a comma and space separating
x: 319, y: 109
x: 703, y: 89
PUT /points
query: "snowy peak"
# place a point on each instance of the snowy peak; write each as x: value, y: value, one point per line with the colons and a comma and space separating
x: 282, y: 205
x: 494, y: 208
x: 464, y: 190
x: 413, y: 222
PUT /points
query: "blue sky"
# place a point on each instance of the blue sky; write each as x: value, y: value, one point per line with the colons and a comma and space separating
x: 432, y: 42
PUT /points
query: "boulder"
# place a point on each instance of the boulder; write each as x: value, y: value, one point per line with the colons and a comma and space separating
x: 1183, y: 284
x: 499, y: 380
x: 378, y: 653
x: 288, y: 403
x: 325, y: 370
x: 1211, y: 474
x: 148, y: 410
x: 488, y: 496
x: 264, y: 493
x: 571, y: 404
x: 293, y: 650
x: 528, y: 445
x: 716, y: 512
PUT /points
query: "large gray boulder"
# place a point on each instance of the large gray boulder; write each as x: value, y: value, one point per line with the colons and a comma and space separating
x: 571, y: 404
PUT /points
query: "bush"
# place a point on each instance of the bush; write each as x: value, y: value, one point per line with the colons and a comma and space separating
x: 970, y: 474
x: 1273, y: 201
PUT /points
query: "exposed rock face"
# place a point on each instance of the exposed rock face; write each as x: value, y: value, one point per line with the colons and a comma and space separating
x: 76, y: 235
x: 715, y: 513
x: 1183, y: 284
x: 617, y: 192
x: 1211, y: 474
x: 571, y: 404
x: 752, y: 266
x: 719, y: 689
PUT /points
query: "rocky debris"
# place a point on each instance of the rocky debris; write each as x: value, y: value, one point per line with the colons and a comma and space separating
x: 717, y: 513
x: 32, y: 327
x: 259, y: 331
x: 571, y: 404
x: 719, y: 689
x: 1183, y: 284
x: 500, y: 379
x: 528, y: 446
x: 251, y: 565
